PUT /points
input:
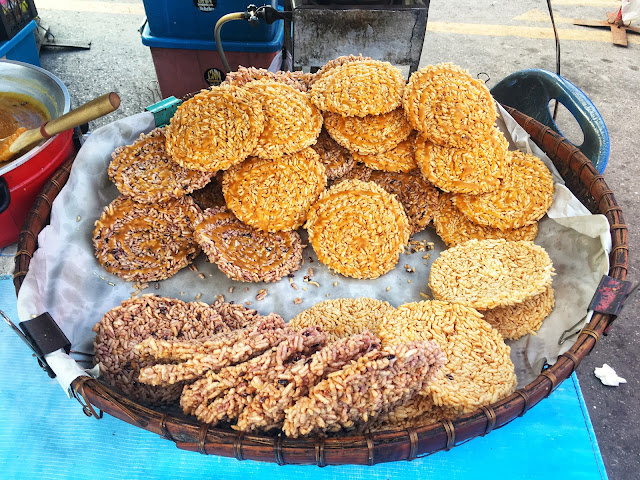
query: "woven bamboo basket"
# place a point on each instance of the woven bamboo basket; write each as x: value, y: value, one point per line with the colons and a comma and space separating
x: 369, y: 449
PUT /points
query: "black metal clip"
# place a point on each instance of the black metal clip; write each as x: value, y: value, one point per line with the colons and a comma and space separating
x: 42, y: 335
x: 609, y: 299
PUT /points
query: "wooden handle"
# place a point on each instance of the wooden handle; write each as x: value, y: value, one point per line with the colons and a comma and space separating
x: 96, y: 108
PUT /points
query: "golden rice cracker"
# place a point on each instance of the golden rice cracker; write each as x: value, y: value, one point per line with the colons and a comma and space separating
x: 418, y: 197
x: 472, y: 169
x: 292, y: 122
x: 358, y: 229
x: 478, y: 371
x: 215, y: 129
x: 516, y: 321
x: 144, y: 172
x: 491, y: 273
x: 401, y: 158
x: 298, y: 80
x: 146, y: 242
x: 336, y: 63
x: 275, y: 195
x: 360, y: 88
x: 343, y: 317
x: 368, y: 135
x: 337, y: 160
x: 448, y: 106
x: 245, y: 254
x: 524, y: 196
x: 454, y: 227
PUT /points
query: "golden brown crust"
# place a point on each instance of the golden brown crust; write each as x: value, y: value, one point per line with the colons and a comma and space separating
x: 524, y: 196
x: 292, y: 122
x: 418, y: 197
x: 215, y: 129
x: 275, y: 195
x: 449, y: 106
x: 368, y: 135
x: 516, y: 321
x: 472, y: 169
x: 336, y: 63
x: 298, y: 80
x: 454, y: 227
x: 478, y: 370
x: 490, y: 273
x: 358, y: 229
x: 145, y: 242
x: 360, y: 88
x: 401, y: 158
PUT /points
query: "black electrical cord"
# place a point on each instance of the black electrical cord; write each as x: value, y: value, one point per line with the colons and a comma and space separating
x: 555, y: 33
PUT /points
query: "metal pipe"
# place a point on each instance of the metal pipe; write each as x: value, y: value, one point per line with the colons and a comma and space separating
x: 224, y: 19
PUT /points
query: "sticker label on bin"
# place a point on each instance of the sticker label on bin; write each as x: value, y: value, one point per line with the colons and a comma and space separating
x: 205, y: 5
x: 214, y: 77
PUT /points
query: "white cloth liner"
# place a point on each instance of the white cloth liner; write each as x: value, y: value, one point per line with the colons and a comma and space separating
x: 66, y: 280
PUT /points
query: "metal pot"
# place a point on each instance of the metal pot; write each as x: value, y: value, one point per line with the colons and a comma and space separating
x: 24, y: 177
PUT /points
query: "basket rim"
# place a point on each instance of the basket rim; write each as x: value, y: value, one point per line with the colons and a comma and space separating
x: 368, y: 448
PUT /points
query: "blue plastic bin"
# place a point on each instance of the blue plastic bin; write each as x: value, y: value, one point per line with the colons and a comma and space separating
x: 183, y: 19
x: 22, y: 47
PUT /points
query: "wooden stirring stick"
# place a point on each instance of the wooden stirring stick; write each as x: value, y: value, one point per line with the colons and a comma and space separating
x: 96, y: 108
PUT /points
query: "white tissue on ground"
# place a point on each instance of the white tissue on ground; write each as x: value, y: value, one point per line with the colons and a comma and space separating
x: 608, y: 376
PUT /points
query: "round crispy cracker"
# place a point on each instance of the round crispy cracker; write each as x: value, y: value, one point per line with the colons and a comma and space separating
x: 215, y: 129
x: 368, y: 135
x: 146, y: 242
x: 454, y: 227
x: 337, y: 160
x: 275, y: 195
x: 245, y: 254
x: 478, y: 370
x: 472, y: 169
x: 343, y: 317
x: 360, y: 88
x: 418, y: 197
x: 490, y: 273
x: 291, y: 121
x: 401, y: 158
x: 523, y: 197
x: 358, y: 229
x: 336, y: 62
x: 448, y: 106
x: 144, y: 172
x: 516, y: 321
x: 242, y: 76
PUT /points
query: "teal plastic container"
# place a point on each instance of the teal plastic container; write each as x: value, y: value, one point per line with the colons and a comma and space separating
x: 196, y: 20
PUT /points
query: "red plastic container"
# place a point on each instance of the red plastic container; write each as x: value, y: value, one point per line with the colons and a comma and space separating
x: 25, y: 182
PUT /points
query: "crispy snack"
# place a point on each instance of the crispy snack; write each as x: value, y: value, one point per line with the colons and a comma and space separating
x: 491, y: 273
x: 472, y: 169
x: 144, y: 172
x: 359, y: 88
x: 298, y: 80
x: 221, y: 350
x: 373, y: 385
x: 343, y: 317
x: 142, y: 242
x: 223, y: 395
x: 291, y: 121
x: 267, y: 409
x: 418, y: 197
x: 448, y: 106
x: 275, y: 195
x: 478, y: 370
x: 454, y: 227
x: 401, y: 158
x: 210, y: 196
x: 359, y: 172
x: 245, y: 254
x: 524, y: 196
x: 368, y: 135
x: 215, y: 129
x: 358, y: 229
x: 337, y: 160
x: 124, y: 326
x: 516, y: 321
x: 417, y: 412
x: 336, y: 63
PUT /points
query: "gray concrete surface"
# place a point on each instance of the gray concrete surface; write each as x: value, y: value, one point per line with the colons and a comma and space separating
x: 483, y: 36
